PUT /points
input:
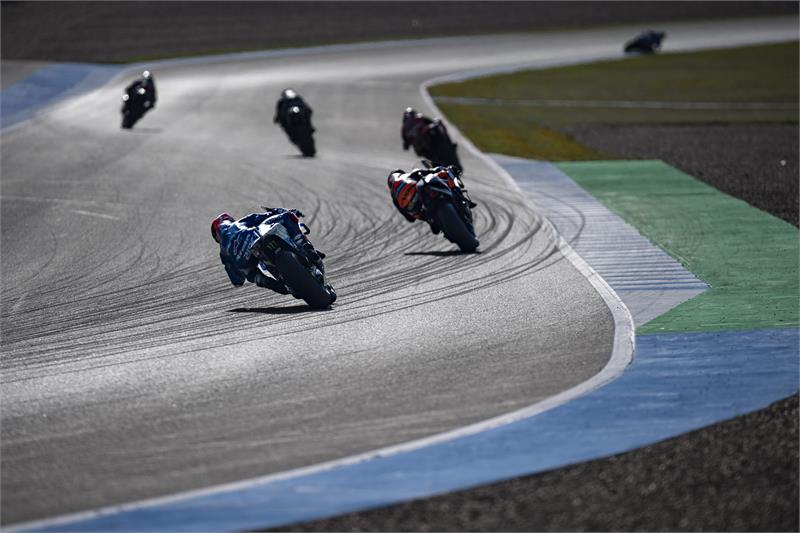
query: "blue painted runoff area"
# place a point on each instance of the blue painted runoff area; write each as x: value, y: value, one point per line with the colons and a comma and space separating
x: 49, y: 84
x: 677, y: 383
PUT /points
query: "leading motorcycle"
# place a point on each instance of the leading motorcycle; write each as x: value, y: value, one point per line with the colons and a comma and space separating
x: 299, y: 130
x: 647, y: 42
x: 134, y: 105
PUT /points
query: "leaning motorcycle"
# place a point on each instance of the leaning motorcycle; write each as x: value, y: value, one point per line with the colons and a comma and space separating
x: 134, y: 106
x: 648, y: 42
x: 435, y: 145
x: 299, y: 130
x: 448, y: 207
x: 285, y: 258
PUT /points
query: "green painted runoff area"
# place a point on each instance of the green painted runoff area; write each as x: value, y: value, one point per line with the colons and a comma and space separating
x: 748, y: 257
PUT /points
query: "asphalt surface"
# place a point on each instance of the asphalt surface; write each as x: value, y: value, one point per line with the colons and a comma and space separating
x: 131, y: 367
x: 131, y: 370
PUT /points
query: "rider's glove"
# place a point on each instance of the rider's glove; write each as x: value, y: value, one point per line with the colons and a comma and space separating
x: 297, y: 213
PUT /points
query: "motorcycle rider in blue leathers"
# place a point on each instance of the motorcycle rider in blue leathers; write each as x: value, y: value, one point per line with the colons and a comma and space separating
x: 236, y: 237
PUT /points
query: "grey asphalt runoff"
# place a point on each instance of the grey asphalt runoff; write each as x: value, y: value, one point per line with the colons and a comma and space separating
x: 111, y: 321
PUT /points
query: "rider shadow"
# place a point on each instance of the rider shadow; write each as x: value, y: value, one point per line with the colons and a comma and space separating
x: 293, y: 310
x: 145, y: 130
x: 447, y: 253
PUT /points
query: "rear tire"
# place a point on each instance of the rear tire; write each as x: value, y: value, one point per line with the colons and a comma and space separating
x: 455, y: 229
x: 445, y: 150
x: 130, y: 118
x: 307, y: 147
x: 296, y: 276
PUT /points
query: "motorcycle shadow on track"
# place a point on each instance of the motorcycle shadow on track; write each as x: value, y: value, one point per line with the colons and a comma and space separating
x: 148, y: 131
x: 292, y: 310
x: 444, y: 253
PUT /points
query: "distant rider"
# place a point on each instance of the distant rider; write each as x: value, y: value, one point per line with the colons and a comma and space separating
x: 415, y: 131
x: 147, y: 83
x: 289, y: 99
x: 406, y: 195
x: 236, y: 237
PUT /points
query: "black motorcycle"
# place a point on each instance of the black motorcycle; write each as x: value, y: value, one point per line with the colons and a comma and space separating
x: 448, y: 207
x: 299, y: 268
x: 298, y: 128
x: 134, y: 105
x: 434, y: 144
x: 648, y: 42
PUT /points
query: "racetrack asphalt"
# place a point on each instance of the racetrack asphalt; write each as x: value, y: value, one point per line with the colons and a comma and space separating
x: 132, y: 368
x: 124, y: 336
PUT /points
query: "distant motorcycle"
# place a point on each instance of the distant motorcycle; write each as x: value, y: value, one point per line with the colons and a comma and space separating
x: 139, y: 98
x: 298, y: 268
x: 299, y: 130
x: 134, y: 106
x: 433, y: 143
x: 647, y: 42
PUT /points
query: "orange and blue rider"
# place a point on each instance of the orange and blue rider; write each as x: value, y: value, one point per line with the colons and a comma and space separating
x: 406, y: 188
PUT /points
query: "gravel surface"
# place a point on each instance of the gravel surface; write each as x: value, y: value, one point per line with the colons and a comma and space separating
x: 721, y: 478
x: 757, y: 163
x: 122, y: 31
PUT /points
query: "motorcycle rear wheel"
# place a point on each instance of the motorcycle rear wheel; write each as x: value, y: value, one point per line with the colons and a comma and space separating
x: 298, y: 278
x: 444, y: 150
x: 307, y: 147
x: 455, y: 229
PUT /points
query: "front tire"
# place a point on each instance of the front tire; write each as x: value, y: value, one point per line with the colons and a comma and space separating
x: 455, y: 229
x: 298, y: 278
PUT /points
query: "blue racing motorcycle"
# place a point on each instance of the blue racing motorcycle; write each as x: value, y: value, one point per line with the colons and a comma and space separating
x: 286, y: 255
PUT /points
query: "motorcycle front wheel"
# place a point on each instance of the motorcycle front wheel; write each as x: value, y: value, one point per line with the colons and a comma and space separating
x: 300, y: 280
